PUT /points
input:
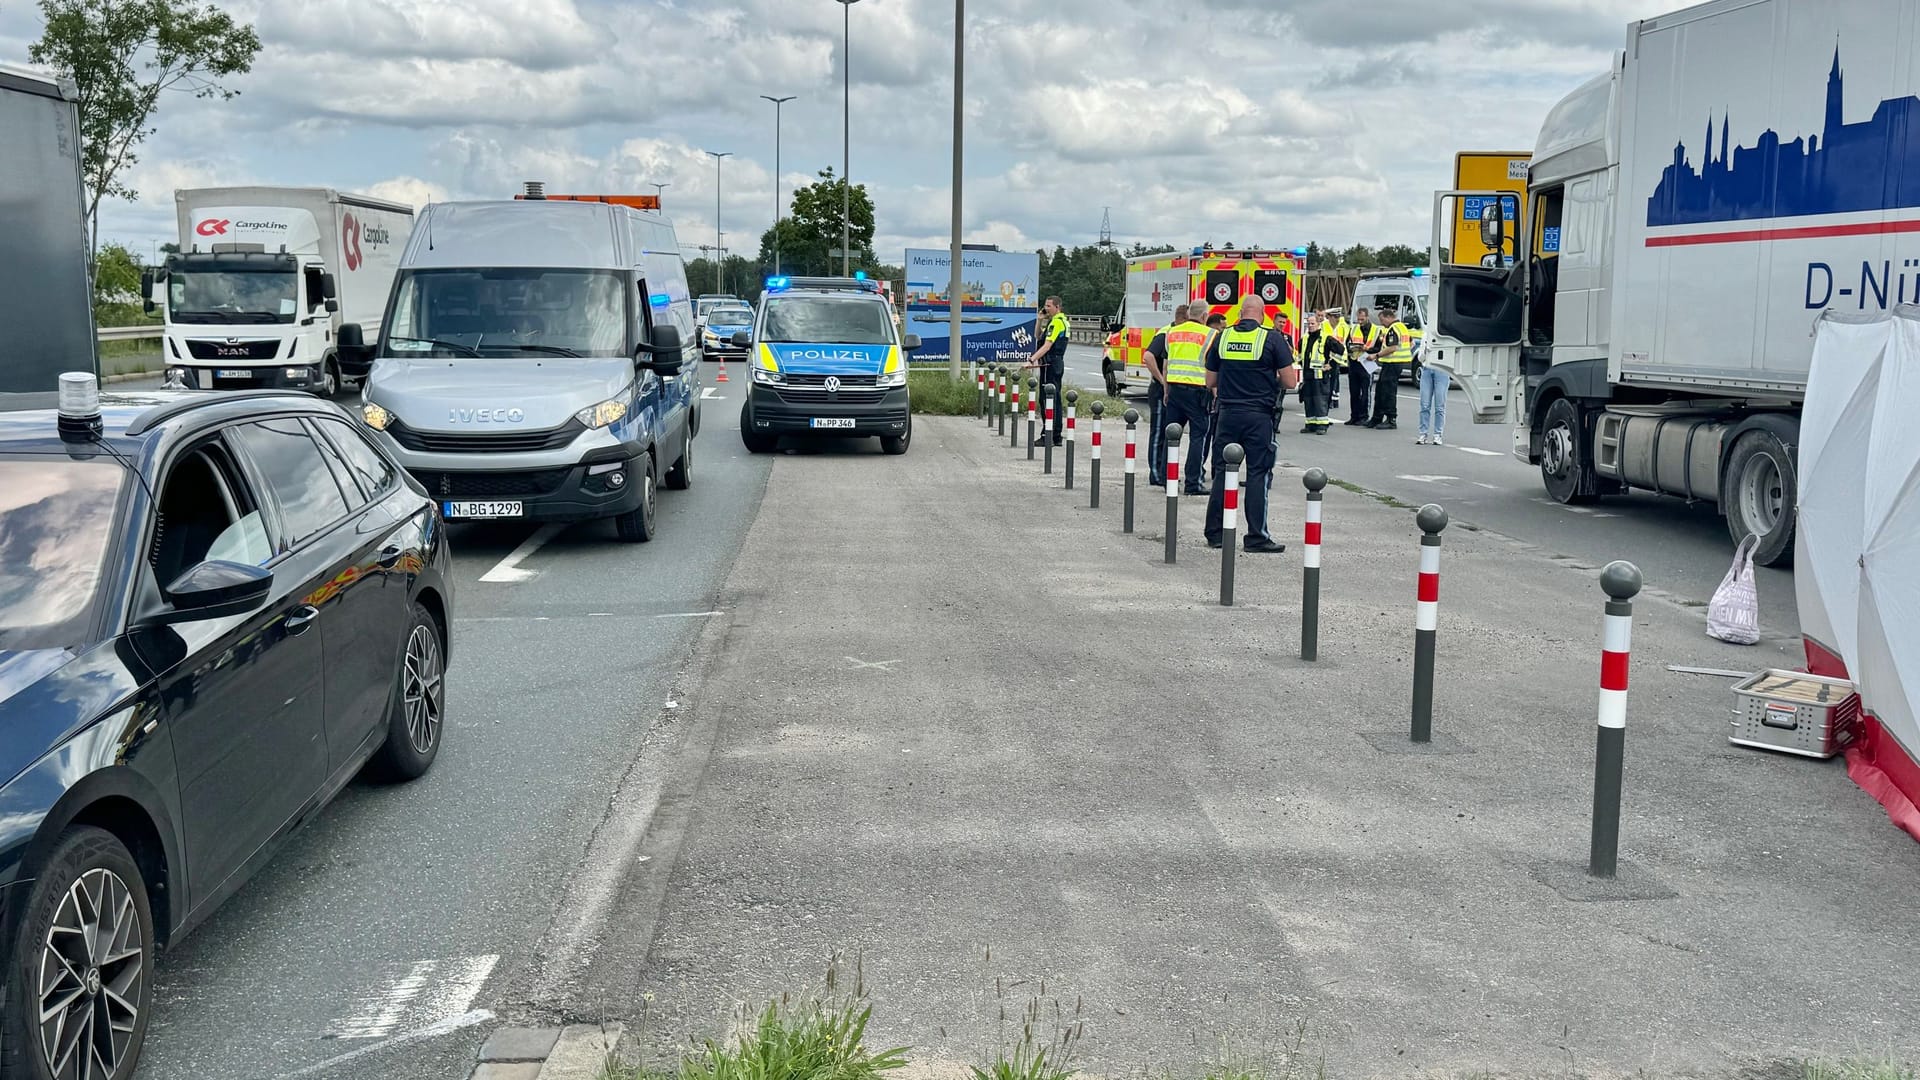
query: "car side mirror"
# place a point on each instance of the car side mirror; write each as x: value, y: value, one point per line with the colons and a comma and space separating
x: 910, y: 342
x: 665, y: 339
x: 742, y: 339
x: 215, y: 589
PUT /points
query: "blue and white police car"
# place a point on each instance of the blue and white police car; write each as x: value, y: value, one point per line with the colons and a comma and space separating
x: 826, y: 358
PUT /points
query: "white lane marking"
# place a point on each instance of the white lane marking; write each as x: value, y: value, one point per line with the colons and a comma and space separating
x: 1427, y: 479
x: 477, y: 1016
x: 690, y: 615
x: 381, y: 1012
x: 709, y: 393
x: 1489, y: 487
x: 431, y: 991
x: 876, y: 665
x: 508, y: 569
x: 1477, y: 450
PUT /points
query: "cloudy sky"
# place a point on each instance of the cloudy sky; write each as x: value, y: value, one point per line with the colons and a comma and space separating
x: 1270, y: 121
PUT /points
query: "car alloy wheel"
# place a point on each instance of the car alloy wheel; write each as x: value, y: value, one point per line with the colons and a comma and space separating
x: 421, y: 684
x: 93, y: 961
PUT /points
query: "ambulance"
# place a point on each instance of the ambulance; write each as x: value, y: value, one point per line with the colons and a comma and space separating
x: 1156, y: 284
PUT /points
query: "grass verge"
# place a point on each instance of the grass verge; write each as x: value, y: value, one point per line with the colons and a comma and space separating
x: 934, y: 394
x: 1857, y: 1069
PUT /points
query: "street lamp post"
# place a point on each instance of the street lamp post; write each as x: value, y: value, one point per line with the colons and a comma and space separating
x: 955, y: 303
x: 719, y: 265
x: 846, y: 138
x: 660, y: 191
x: 777, y: 102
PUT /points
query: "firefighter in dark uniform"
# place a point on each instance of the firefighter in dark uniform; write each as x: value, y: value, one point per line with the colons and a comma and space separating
x: 1051, y: 359
x: 1248, y: 368
x: 1319, y: 348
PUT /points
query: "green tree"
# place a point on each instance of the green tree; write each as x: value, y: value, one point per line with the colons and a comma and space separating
x: 116, y: 287
x: 1399, y: 256
x: 814, y: 227
x: 123, y: 55
x: 1358, y: 257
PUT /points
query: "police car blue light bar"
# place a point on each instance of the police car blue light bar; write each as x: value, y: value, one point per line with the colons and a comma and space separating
x: 1419, y: 271
x: 778, y: 283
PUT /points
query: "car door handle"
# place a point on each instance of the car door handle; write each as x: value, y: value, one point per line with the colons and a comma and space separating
x: 300, y: 618
x: 388, y: 556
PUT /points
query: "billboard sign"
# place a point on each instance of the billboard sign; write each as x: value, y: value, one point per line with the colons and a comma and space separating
x: 1001, y: 304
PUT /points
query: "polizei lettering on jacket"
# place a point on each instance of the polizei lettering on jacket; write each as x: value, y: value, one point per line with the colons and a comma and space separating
x: 1878, y: 284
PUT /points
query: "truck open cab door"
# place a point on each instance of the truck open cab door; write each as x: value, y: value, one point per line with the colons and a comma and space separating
x: 1477, y: 327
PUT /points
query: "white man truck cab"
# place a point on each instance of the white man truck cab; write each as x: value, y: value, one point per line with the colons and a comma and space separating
x: 825, y: 357
x: 265, y: 278
x: 538, y: 363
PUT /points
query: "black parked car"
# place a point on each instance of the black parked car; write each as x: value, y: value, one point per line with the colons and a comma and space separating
x: 215, y: 609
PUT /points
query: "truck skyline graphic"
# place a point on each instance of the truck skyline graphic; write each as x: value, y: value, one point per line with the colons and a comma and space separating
x: 1846, y: 168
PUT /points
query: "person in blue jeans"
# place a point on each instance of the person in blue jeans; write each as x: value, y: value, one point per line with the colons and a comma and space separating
x: 1433, y: 406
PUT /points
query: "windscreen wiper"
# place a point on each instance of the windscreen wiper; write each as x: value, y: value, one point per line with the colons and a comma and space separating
x: 554, y: 349
x: 438, y: 344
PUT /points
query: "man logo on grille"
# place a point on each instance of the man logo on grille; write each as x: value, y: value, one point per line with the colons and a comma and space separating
x: 833, y: 384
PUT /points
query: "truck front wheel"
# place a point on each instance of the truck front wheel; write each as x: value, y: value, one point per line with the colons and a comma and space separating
x: 1566, y: 455
x: 1760, y: 486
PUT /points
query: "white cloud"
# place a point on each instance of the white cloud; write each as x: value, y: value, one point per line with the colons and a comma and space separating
x: 1274, y: 121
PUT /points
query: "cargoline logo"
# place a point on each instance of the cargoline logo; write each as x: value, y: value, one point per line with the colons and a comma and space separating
x: 485, y: 416
x: 350, y: 241
x: 212, y: 227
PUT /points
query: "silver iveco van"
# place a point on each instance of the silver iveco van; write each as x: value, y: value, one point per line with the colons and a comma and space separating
x: 538, y: 361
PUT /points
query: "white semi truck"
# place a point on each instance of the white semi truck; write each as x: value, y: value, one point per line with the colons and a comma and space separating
x: 46, y: 314
x: 1743, y: 166
x: 264, y: 279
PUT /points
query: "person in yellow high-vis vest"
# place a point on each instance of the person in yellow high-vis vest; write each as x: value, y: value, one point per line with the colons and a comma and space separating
x: 1364, y: 342
x: 1318, y: 347
x: 1336, y: 324
x: 1051, y: 359
x: 1394, y: 358
x: 1188, y: 403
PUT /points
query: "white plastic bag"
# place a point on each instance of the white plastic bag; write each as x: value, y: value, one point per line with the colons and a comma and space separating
x: 1734, y: 614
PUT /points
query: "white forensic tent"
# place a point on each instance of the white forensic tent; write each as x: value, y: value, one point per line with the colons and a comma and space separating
x: 1857, y: 567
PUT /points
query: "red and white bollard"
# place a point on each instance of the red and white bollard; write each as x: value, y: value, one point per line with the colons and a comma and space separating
x: 1174, y: 433
x: 1093, y: 450
x: 1132, y: 417
x: 1426, y: 619
x: 1231, y: 456
x: 1048, y: 394
x: 1315, y: 481
x: 1621, y: 581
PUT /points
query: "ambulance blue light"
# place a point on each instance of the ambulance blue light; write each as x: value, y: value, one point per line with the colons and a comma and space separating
x: 1299, y: 251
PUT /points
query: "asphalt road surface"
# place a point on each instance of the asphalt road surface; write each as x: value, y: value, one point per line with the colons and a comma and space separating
x: 403, y: 923
x: 403, y: 909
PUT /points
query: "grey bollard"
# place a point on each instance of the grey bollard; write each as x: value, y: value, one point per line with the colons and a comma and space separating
x: 1174, y: 432
x: 1621, y: 582
x: 1073, y: 396
x: 1231, y: 456
x: 1316, y: 482
x: 1132, y: 417
x: 1426, y: 619
x: 1093, y: 462
x: 1033, y: 411
x: 1049, y: 402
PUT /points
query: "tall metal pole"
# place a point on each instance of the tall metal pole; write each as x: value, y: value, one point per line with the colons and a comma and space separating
x: 846, y: 140
x: 660, y: 191
x: 777, y: 102
x: 955, y: 302
x: 720, y: 259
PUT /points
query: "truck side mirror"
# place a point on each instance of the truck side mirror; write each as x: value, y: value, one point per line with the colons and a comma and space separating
x: 146, y: 291
x: 1493, y: 226
x: 329, y: 290
x: 332, y: 305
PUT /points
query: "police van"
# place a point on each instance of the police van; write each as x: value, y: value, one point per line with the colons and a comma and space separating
x: 825, y: 357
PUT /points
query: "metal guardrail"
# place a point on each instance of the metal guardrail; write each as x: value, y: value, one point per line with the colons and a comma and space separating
x: 130, y: 333
x: 1086, y: 329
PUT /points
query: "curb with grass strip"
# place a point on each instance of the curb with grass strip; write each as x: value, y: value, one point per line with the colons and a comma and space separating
x: 576, y: 1052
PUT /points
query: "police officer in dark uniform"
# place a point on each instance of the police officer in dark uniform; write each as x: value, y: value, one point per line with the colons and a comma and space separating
x: 1248, y: 368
